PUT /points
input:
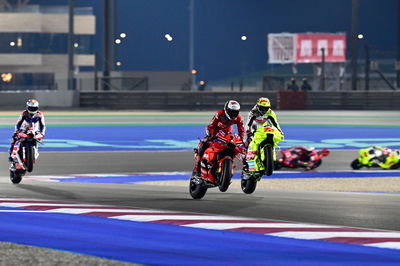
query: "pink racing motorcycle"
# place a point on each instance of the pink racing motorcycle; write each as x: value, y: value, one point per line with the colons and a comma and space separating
x: 24, y: 154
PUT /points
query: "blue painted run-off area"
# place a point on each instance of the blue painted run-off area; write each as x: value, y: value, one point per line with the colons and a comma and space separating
x: 159, y: 244
x: 135, y: 178
x: 114, y: 138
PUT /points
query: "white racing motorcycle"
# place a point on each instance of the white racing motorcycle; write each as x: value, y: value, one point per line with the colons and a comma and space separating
x: 24, y: 153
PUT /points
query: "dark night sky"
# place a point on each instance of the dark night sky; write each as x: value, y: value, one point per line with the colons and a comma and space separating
x: 219, y: 24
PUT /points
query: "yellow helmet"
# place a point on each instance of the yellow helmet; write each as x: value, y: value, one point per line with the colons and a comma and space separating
x: 263, y: 105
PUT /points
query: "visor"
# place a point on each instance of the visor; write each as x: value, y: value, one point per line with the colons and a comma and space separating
x: 33, y: 108
x: 263, y: 109
x: 233, y: 113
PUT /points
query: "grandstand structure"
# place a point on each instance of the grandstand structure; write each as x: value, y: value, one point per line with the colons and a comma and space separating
x: 34, y: 47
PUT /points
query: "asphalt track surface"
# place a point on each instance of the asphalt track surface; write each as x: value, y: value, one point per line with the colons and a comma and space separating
x: 345, y: 208
x: 366, y: 210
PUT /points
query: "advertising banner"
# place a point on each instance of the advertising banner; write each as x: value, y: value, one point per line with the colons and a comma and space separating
x: 309, y: 47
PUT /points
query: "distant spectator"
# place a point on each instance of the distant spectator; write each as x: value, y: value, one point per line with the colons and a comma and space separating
x: 293, y: 85
x: 305, y: 86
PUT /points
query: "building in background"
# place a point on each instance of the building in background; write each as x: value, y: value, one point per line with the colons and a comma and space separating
x: 34, y: 45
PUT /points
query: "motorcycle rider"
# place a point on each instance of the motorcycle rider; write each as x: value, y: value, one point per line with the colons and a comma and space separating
x: 384, y: 157
x: 223, y: 120
x: 300, y: 156
x: 258, y: 115
x: 30, y: 117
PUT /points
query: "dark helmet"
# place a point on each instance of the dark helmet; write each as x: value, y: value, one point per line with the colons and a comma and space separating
x: 231, y: 109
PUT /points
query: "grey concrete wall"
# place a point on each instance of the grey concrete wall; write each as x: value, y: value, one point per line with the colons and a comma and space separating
x: 157, y: 80
x: 350, y: 100
x: 59, y: 99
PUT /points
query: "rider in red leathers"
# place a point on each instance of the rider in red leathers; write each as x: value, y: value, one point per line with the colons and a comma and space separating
x: 300, y: 156
x: 223, y: 120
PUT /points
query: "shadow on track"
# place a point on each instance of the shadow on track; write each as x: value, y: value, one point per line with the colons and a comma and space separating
x: 49, y: 191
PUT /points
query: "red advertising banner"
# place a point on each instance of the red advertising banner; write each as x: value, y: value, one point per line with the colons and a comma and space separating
x: 309, y: 47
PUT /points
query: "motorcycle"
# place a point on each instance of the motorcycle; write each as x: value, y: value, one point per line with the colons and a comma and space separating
x: 260, y: 162
x: 24, y: 154
x: 217, y: 164
x: 374, y: 156
x: 308, y: 158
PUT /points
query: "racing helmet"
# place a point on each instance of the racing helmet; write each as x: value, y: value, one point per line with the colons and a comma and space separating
x: 263, y: 105
x: 309, y: 148
x: 32, y: 106
x: 231, y: 109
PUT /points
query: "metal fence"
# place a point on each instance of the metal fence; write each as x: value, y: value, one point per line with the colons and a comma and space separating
x: 323, y: 100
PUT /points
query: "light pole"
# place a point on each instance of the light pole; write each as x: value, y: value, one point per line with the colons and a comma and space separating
x: 367, y: 66
x: 354, y: 43
x: 71, y: 41
x: 191, y: 44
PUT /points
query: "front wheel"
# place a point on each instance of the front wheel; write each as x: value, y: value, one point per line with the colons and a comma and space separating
x: 268, y: 160
x: 356, y: 164
x: 29, y: 158
x: 16, y: 176
x: 196, y: 189
x: 225, y: 176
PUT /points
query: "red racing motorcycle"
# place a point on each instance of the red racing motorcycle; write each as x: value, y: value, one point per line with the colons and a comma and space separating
x: 24, y: 154
x: 217, y: 164
x: 301, y: 157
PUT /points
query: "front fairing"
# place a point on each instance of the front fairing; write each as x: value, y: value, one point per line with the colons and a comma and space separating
x: 266, y: 134
x: 365, y: 158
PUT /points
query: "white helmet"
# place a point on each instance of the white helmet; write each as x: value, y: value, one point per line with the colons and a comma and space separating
x: 232, y: 109
x: 32, y: 106
x: 309, y: 148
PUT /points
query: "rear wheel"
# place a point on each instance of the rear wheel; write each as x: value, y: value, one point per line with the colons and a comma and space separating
x: 197, y: 189
x: 248, y: 185
x: 277, y: 165
x: 268, y: 160
x: 29, y: 158
x: 356, y: 164
x: 316, y: 164
x: 225, y: 176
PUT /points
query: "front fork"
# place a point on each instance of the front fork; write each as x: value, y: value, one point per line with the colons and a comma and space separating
x: 15, y: 155
x: 255, y: 166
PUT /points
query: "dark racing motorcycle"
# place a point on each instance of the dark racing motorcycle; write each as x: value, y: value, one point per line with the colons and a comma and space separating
x: 24, y: 154
x: 217, y: 164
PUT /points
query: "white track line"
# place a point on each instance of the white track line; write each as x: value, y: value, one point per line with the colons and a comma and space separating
x: 322, y: 235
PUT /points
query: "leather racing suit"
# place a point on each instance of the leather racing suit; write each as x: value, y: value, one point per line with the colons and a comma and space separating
x: 218, y: 123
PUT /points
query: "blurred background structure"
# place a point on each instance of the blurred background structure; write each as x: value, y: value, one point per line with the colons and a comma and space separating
x: 182, y: 53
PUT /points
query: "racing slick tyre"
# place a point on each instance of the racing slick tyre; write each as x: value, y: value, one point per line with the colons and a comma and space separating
x: 356, y: 164
x: 197, y: 191
x: 248, y: 185
x: 225, y: 176
x: 29, y: 158
x: 15, y: 176
x: 316, y: 164
x: 277, y: 165
x: 268, y: 160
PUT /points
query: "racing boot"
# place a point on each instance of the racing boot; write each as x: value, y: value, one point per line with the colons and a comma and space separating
x: 196, y: 169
